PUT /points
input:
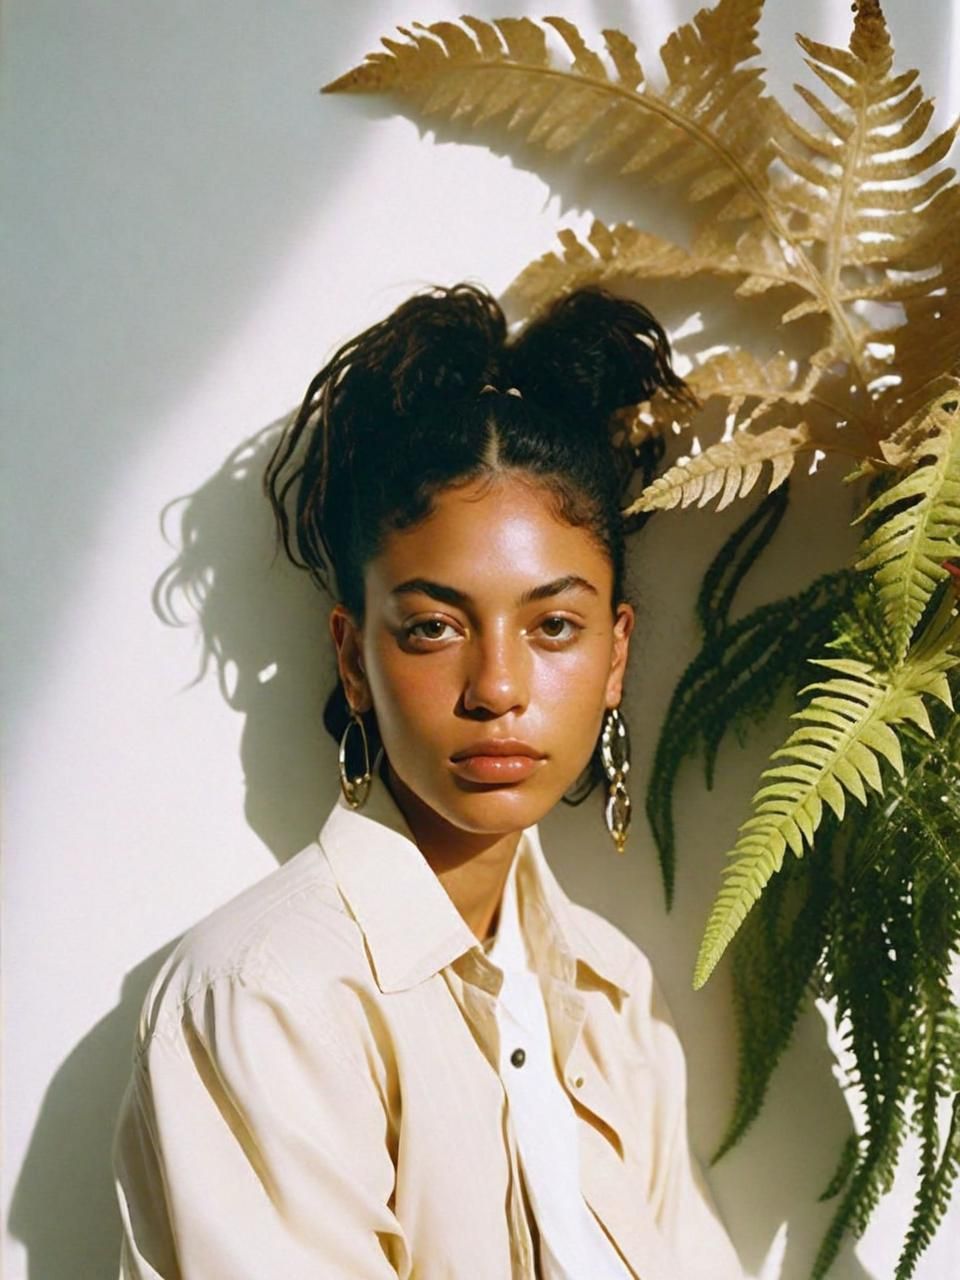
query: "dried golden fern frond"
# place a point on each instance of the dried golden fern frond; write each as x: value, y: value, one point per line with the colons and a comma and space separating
x: 875, y: 221
x: 609, y: 254
x: 624, y: 252
x: 729, y: 468
x: 756, y: 394
x: 923, y: 346
x: 734, y: 376
x: 705, y: 128
x: 781, y: 392
x: 739, y: 377
x: 854, y: 220
x: 861, y: 211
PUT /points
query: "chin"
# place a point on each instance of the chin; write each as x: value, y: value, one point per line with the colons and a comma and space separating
x: 487, y: 809
x: 498, y: 809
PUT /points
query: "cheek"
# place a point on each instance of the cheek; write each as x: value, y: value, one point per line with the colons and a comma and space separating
x: 576, y: 678
x: 408, y: 691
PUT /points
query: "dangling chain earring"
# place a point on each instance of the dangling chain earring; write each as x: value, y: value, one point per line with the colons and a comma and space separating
x: 615, y: 754
x: 355, y: 789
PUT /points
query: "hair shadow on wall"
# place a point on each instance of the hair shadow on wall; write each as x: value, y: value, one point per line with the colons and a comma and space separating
x: 263, y: 632
x: 64, y: 1208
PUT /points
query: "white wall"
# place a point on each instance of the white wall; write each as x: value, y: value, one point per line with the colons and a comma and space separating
x: 194, y: 230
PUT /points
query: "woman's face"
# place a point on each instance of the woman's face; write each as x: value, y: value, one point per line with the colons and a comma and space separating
x: 490, y: 620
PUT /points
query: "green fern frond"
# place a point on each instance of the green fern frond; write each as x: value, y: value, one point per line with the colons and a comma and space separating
x: 907, y: 549
x: 849, y: 1158
x: 844, y: 730
x: 861, y: 630
x: 871, y: 1180
x: 775, y: 958
x: 895, y: 927
x: 741, y: 668
x: 933, y: 1199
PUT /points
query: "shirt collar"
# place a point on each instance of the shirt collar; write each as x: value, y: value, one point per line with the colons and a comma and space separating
x: 410, y: 926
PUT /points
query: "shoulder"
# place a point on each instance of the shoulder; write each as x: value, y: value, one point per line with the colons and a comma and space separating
x: 257, y: 942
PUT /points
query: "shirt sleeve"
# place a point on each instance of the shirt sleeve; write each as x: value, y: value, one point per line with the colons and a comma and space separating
x: 251, y: 1143
x: 686, y: 1213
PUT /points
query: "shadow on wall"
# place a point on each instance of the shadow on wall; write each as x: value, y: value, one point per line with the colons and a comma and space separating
x: 264, y: 631
x: 68, y: 1160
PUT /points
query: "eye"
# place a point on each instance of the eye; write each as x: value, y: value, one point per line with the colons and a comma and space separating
x: 429, y: 629
x: 559, y: 628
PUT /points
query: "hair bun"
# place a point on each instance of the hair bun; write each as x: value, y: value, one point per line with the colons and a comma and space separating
x: 438, y: 345
x: 591, y: 354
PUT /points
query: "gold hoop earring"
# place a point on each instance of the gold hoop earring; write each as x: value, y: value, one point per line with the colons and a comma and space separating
x: 355, y: 790
x: 615, y: 755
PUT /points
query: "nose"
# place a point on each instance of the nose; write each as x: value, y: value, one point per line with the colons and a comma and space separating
x: 497, y: 676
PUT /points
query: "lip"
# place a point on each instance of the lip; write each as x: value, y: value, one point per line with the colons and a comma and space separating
x: 497, y: 760
x: 498, y: 747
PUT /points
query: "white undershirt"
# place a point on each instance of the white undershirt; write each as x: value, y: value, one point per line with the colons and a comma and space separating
x: 572, y: 1242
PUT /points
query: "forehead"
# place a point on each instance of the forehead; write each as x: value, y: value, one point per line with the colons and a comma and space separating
x: 491, y: 537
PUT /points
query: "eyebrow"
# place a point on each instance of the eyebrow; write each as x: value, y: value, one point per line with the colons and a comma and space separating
x: 450, y: 595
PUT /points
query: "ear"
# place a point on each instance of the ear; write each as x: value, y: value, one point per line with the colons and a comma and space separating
x: 622, y: 629
x: 348, y: 640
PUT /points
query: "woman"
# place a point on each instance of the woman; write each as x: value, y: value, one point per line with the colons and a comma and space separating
x: 406, y: 1052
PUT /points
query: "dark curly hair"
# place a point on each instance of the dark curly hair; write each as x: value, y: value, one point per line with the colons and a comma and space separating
x: 397, y: 415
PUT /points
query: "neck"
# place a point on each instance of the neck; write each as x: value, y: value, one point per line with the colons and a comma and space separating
x: 471, y: 866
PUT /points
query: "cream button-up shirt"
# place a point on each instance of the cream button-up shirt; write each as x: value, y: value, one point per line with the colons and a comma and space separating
x: 572, y: 1243
x: 316, y: 1089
